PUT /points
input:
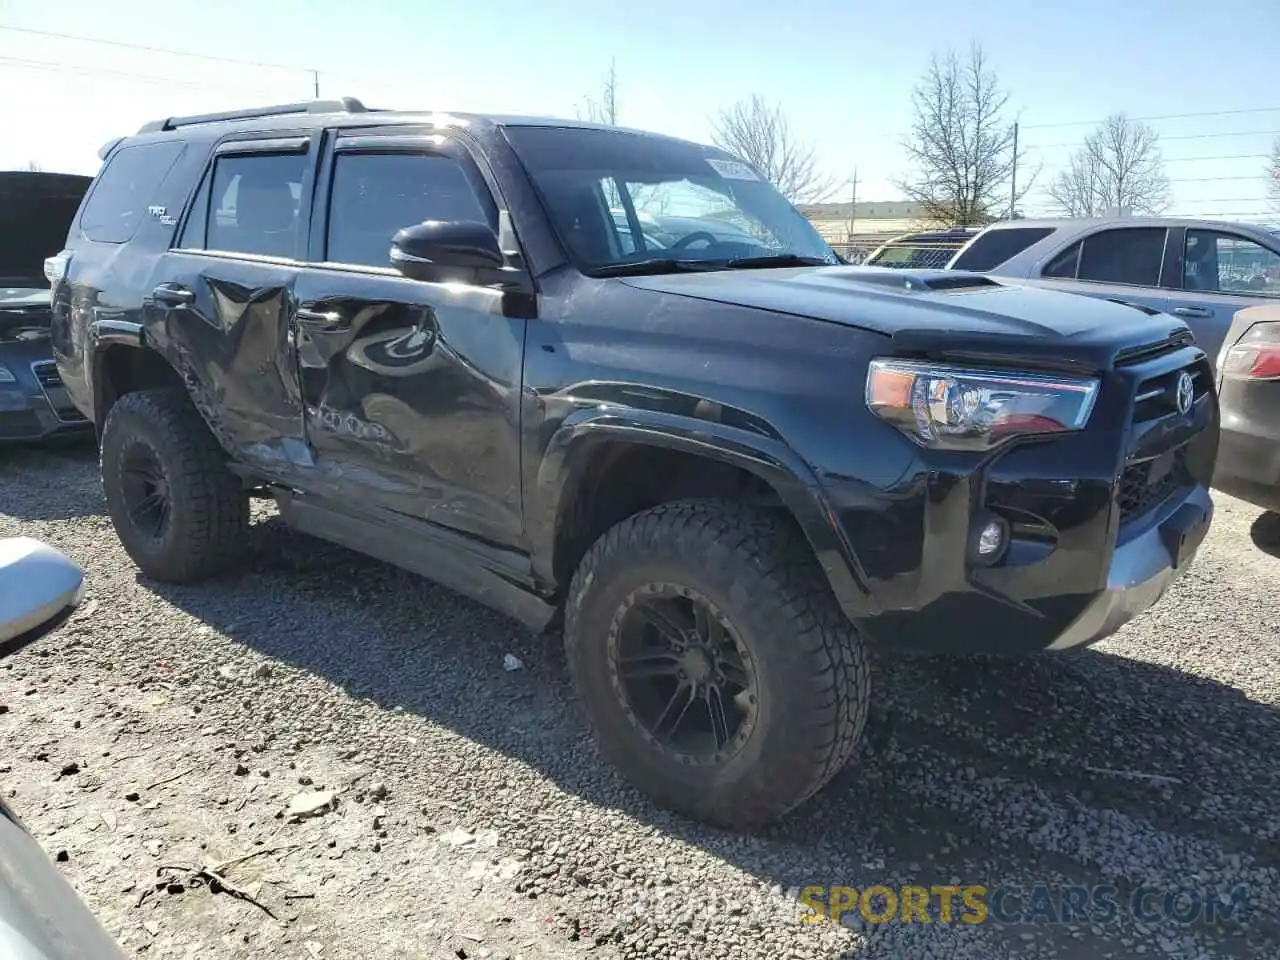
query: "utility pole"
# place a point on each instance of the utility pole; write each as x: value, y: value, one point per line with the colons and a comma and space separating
x: 1013, y: 179
x: 315, y: 83
x: 853, y: 207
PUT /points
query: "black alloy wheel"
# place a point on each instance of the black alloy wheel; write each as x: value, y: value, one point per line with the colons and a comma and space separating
x: 145, y: 490
x: 683, y: 673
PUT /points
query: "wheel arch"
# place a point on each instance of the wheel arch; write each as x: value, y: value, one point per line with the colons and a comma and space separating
x: 122, y: 359
x: 656, y: 457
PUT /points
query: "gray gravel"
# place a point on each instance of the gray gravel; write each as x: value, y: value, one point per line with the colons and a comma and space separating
x: 471, y: 818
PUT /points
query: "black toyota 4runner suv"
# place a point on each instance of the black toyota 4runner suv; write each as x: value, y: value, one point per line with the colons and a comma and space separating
x: 729, y: 464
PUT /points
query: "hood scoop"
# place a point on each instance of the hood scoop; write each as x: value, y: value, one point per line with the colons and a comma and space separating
x: 918, y: 281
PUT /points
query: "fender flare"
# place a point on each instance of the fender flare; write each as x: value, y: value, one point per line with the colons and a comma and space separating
x: 102, y: 335
x: 105, y: 335
x: 570, y: 450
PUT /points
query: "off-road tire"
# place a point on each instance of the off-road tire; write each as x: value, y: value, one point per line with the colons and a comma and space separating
x: 208, y: 521
x: 811, y: 665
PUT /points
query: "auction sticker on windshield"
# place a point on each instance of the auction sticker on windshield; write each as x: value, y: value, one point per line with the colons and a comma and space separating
x: 732, y: 170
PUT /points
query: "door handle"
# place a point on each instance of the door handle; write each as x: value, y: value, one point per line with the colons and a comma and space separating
x: 327, y: 321
x: 1193, y: 311
x: 174, y: 295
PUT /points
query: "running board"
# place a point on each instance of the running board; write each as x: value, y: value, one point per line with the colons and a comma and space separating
x: 441, y: 556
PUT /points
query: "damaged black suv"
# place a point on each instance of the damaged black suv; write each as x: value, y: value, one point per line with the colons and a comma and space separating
x: 723, y: 461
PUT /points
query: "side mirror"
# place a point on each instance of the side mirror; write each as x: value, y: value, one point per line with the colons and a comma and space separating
x: 40, y: 586
x: 434, y: 249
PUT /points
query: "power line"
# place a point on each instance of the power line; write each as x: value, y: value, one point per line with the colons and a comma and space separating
x: 146, y: 49
x: 1185, y: 136
x: 1232, y: 200
x: 312, y: 75
x: 136, y: 77
x: 1262, y: 176
x: 1167, y: 116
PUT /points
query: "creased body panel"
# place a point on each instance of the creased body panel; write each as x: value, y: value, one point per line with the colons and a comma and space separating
x: 233, y: 347
x: 411, y: 395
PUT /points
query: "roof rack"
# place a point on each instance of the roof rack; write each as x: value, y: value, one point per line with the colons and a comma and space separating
x: 341, y: 105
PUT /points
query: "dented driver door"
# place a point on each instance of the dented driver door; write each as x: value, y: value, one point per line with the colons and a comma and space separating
x: 410, y: 389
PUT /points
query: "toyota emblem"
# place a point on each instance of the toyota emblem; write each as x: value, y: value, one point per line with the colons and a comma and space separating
x: 1186, y: 392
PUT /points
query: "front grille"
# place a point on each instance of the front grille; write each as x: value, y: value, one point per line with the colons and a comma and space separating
x: 1157, y: 396
x: 1144, y: 486
x: 46, y: 371
x: 47, y: 374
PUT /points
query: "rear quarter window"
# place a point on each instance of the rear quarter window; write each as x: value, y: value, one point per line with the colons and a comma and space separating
x: 989, y: 250
x: 124, y: 189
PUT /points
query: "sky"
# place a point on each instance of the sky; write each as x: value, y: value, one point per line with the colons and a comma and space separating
x: 842, y: 72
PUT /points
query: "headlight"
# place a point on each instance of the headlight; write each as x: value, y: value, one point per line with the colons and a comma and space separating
x: 954, y: 408
x: 6, y: 375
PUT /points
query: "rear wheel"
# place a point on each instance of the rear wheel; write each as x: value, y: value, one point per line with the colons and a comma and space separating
x: 716, y: 669
x: 181, y: 515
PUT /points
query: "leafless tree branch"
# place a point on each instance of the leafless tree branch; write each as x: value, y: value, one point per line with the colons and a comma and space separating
x: 760, y: 134
x: 604, y: 108
x: 1119, y: 167
x: 962, y: 149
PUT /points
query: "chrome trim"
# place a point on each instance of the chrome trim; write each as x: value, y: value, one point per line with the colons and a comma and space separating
x: 45, y: 390
x: 360, y: 142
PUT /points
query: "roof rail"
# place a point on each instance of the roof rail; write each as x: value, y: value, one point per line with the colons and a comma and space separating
x: 341, y: 105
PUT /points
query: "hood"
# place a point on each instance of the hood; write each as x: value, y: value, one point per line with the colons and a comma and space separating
x: 36, y: 210
x: 936, y: 311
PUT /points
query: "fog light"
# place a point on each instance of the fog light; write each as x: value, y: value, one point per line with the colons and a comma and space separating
x: 991, y: 539
x: 988, y: 539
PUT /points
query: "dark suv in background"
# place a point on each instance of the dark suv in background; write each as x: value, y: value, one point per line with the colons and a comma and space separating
x: 725, y: 466
x: 36, y: 209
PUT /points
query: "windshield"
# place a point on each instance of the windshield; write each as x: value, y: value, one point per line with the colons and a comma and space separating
x: 24, y: 297
x: 620, y: 198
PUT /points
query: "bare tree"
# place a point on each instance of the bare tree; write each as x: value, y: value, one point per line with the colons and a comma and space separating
x: 962, y: 149
x: 761, y: 135
x: 604, y: 109
x: 1273, y: 175
x: 1118, y: 168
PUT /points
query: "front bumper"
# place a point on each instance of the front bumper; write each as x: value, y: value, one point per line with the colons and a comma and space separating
x: 36, y: 406
x: 1141, y: 572
x: 1099, y: 524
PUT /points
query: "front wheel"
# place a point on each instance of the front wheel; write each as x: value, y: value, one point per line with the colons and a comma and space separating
x: 715, y: 667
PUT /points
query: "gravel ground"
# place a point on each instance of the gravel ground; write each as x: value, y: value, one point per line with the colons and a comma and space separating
x: 167, y: 730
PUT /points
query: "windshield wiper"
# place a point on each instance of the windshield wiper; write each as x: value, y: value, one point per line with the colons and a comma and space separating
x: 654, y: 266
x: 775, y: 260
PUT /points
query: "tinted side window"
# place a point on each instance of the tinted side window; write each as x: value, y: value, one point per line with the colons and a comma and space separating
x: 1130, y: 255
x: 1226, y: 263
x: 376, y: 195
x: 1063, y: 266
x: 254, y: 204
x: 124, y: 189
x: 994, y: 247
